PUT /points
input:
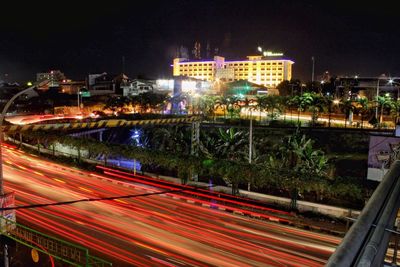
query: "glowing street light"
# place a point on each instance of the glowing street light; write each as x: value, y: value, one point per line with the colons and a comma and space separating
x: 259, y: 49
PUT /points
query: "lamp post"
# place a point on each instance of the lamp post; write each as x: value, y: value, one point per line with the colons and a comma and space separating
x: 390, y: 81
x: 250, y: 146
x: 3, y: 114
x: 79, y: 105
x: 377, y: 95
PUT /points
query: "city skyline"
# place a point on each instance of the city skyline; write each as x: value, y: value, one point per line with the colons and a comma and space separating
x: 345, y: 39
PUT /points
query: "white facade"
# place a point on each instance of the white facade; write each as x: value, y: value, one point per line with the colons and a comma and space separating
x: 137, y: 87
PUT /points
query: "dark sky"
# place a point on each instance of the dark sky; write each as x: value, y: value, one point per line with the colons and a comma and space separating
x: 345, y: 37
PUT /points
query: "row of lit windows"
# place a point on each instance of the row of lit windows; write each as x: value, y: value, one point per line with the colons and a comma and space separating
x: 196, y: 70
x: 190, y: 65
x: 263, y: 69
x: 197, y: 73
x: 262, y: 79
x: 254, y: 64
x: 196, y: 64
x: 260, y: 72
x: 254, y: 74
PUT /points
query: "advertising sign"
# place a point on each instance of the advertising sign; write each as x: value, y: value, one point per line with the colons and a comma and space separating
x: 8, y: 218
x: 383, y: 151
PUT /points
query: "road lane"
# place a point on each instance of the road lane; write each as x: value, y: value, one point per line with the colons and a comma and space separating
x: 156, y: 230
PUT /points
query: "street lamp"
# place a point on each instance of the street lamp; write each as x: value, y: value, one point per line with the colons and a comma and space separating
x: 377, y: 95
x: 79, y: 93
x: 3, y: 114
x: 391, y: 82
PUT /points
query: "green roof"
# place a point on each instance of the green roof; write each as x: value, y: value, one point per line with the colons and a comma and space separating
x: 242, y: 87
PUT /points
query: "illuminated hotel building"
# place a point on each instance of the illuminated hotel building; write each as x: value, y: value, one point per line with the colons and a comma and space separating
x: 256, y: 69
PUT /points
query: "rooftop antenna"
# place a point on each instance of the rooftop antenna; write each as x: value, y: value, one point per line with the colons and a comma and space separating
x: 313, y: 65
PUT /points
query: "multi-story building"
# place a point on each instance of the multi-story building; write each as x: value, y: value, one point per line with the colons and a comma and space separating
x: 256, y: 69
x: 370, y: 87
x: 54, y: 77
x: 101, y: 84
x: 137, y: 86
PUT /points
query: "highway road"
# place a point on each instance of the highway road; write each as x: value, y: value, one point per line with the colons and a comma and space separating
x: 153, y: 230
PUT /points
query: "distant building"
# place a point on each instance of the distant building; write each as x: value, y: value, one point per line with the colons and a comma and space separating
x: 183, y: 84
x: 266, y: 71
x: 54, y: 77
x: 101, y: 84
x: 71, y: 87
x: 353, y: 87
x: 137, y: 87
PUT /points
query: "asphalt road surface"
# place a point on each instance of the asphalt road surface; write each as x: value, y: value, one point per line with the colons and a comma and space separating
x: 151, y: 230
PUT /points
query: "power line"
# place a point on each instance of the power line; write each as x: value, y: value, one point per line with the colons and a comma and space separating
x: 103, y: 198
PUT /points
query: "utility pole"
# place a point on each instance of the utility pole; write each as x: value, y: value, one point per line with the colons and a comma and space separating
x: 195, y: 143
x: 79, y: 105
x: 250, y: 146
x: 313, y: 66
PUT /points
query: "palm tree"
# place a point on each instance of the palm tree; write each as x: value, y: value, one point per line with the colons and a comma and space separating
x: 363, y: 108
x: 207, y: 105
x: 315, y: 103
x: 395, y: 111
x: 222, y: 102
x: 384, y: 102
x: 273, y: 104
x: 261, y: 103
x: 302, y: 102
x: 283, y: 105
x: 233, y: 106
x: 328, y: 101
x: 347, y: 108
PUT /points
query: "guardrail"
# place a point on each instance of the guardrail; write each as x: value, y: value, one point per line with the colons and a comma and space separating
x: 98, y: 124
x: 366, y: 242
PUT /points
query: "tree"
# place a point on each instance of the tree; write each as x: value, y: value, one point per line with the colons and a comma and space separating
x: 347, y: 108
x: 302, y: 102
x: 231, y: 144
x: 395, y: 111
x: 315, y: 104
x: 301, y: 167
x: 261, y: 103
x: 222, y: 102
x: 384, y: 102
x: 115, y: 104
x: 285, y: 88
x: 363, y: 108
x: 233, y: 106
x: 207, y: 105
x: 273, y: 106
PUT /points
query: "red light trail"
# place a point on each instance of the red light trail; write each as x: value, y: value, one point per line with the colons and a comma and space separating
x: 155, y: 230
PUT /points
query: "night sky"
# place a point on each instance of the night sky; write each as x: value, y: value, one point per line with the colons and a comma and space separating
x: 79, y: 38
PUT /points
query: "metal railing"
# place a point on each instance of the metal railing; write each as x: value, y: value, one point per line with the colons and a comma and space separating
x: 365, y: 244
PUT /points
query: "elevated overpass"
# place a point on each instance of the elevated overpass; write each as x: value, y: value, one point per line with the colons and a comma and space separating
x: 95, y: 125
